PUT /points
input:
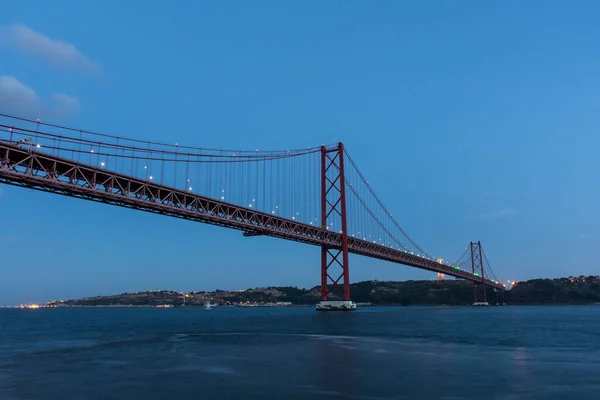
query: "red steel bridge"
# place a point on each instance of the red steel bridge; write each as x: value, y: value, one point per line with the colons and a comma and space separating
x: 315, y: 195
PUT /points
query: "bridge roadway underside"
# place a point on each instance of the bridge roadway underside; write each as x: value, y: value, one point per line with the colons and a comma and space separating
x: 45, y: 172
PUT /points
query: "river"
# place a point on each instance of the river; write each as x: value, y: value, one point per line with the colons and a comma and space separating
x: 296, y: 353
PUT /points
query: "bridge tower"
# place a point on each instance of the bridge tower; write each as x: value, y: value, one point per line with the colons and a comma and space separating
x: 479, y: 292
x: 334, y: 260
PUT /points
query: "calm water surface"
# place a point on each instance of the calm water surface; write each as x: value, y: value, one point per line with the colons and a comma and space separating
x: 297, y: 353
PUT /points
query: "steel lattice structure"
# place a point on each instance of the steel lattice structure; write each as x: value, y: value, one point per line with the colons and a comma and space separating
x: 333, y: 200
x: 39, y: 170
x: 479, y: 292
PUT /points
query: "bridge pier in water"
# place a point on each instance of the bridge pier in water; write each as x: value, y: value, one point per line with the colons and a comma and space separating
x: 333, y: 206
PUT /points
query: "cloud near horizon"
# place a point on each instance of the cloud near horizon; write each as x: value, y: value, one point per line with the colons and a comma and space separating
x: 18, y: 98
x: 53, y: 51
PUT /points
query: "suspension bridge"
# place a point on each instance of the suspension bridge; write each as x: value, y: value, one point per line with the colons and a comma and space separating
x: 316, y: 195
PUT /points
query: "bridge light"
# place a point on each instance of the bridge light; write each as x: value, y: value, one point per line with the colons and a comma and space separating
x: 150, y: 177
x: 190, y: 188
x: 91, y: 151
x: 38, y: 145
x: 101, y: 164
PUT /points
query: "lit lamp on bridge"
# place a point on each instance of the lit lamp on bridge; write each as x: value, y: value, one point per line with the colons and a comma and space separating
x: 440, y: 274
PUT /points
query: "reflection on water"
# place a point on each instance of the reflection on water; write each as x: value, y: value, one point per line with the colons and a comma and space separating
x: 522, y: 380
x: 297, y: 353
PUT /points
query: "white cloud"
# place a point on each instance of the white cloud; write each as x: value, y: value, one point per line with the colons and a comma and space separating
x: 54, y: 51
x: 18, y: 98
x: 497, y: 214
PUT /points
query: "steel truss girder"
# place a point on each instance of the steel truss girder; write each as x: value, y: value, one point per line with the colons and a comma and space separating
x: 48, y: 173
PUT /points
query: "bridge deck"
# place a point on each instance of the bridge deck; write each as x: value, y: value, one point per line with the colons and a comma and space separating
x: 42, y: 171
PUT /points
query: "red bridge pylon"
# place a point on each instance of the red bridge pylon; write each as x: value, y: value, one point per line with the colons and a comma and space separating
x: 333, y: 209
x: 479, y: 292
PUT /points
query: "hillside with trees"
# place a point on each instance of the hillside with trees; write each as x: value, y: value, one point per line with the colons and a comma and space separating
x: 572, y: 290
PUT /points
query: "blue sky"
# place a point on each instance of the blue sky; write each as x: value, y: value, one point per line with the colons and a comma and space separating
x: 473, y: 120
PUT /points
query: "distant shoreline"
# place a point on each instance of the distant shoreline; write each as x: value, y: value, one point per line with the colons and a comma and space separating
x: 300, y: 306
x: 582, y: 290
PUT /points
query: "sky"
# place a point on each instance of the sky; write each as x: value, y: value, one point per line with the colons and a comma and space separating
x: 472, y: 120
